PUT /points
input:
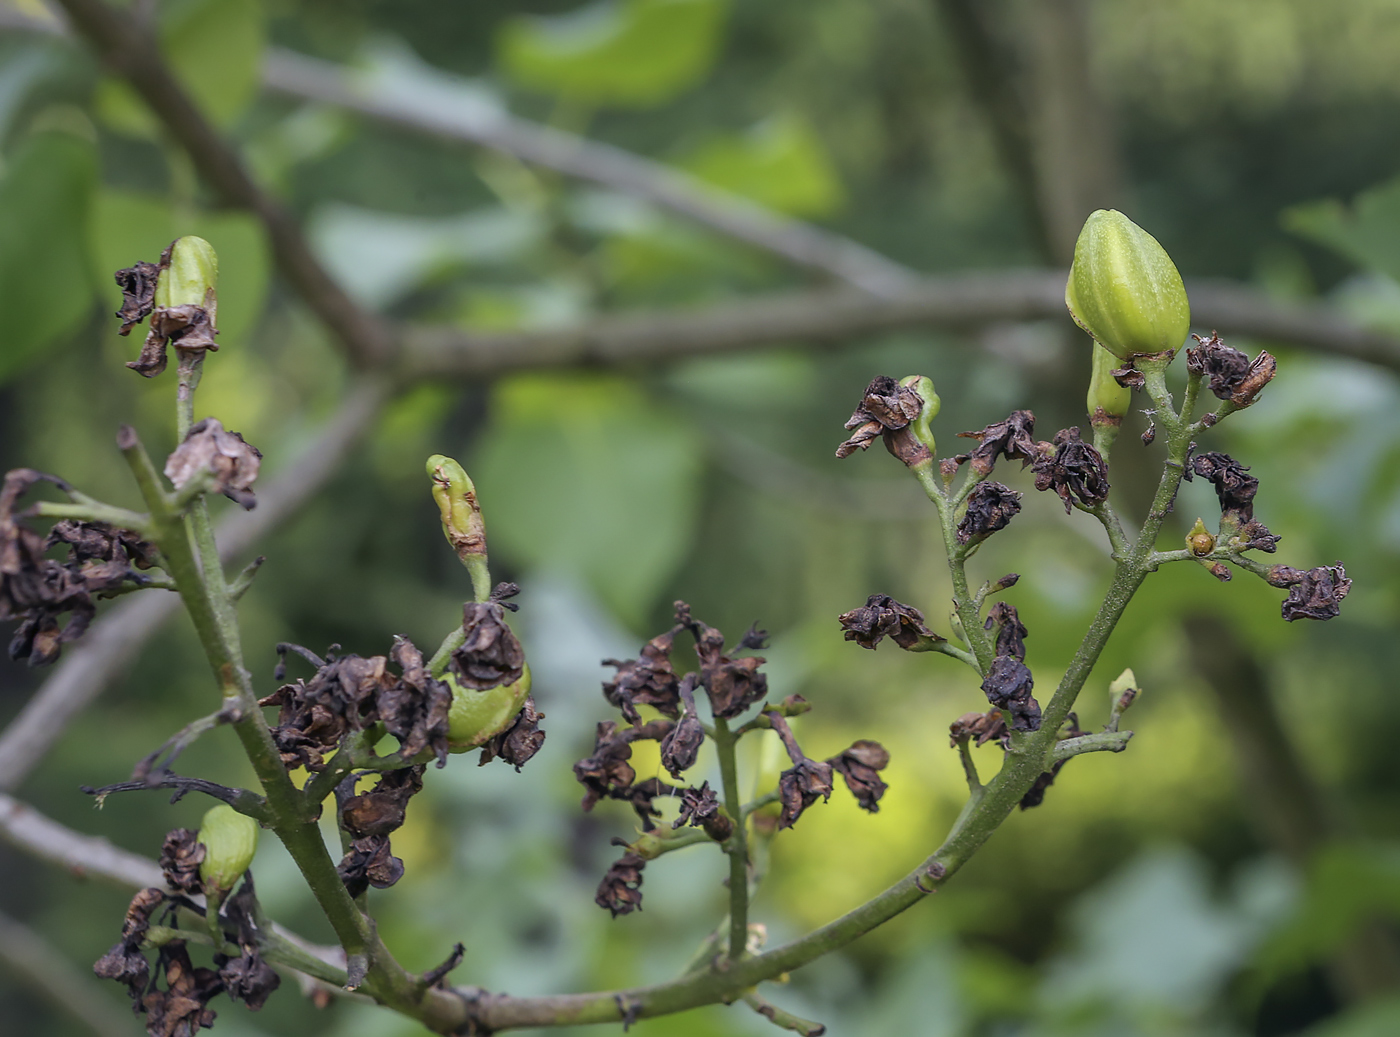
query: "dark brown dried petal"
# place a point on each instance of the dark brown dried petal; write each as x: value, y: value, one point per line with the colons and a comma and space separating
x: 700, y: 807
x: 1035, y: 795
x: 518, y: 742
x: 138, y: 285
x: 885, y: 406
x: 607, y: 774
x: 1314, y: 594
x: 681, y: 745
x: 990, y: 506
x: 248, y: 978
x: 369, y: 863
x: 209, y: 448
x: 1234, y: 488
x: 187, y: 328
x: 1008, y: 686
x: 181, y: 1009
x: 880, y: 617
x: 860, y: 766
x: 647, y: 680
x: 621, y: 889
x: 1256, y: 537
x: 1075, y: 470
x: 1225, y: 368
x: 981, y: 727
x: 491, y: 654
x: 1011, y: 632
x: 1261, y: 372
x: 800, y: 786
x: 733, y: 685
x: 414, y: 709
x: 180, y: 858
x: 381, y: 810
x: 1011, y: 438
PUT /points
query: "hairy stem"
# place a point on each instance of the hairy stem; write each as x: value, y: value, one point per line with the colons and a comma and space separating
x: 738, y: 843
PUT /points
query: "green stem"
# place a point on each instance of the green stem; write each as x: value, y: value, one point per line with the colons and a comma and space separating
x: 964, y: 602
x: 738, y: 843
x: 189, y: 370
x: 95, y: 512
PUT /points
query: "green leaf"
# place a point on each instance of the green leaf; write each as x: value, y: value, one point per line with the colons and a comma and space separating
x: 215, y: 50
x: 1367, y: 233
x: 1373, y: 1019
x: 588, y: 475
x: 628, y: 53
x: 779, y: 163
x: 127, y: 227
x: 45, y: 199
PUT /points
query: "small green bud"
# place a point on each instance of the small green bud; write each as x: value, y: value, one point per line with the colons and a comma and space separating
x: 455, y: 495
x: 1107, y: 401
x: 478, y: 716
x: 229, y: 839
x: 191, y: 278
x: 1124, y: 290
x: 1200, y: 541
x: 923, y: 385
x: 1121, y: 694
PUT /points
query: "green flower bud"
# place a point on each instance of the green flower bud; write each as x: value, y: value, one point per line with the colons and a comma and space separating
x: 1124, y: 290
x: 191, y: 278
x: 1108, y: 401
x: 229, y: 839
x: 455, y: 495
x: 1121, y: 694
x: 1200, y: 541
x: 478, y: 716
x: 923, y: 385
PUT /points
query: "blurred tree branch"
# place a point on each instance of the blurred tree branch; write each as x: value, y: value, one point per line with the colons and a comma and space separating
x: 46, y: 971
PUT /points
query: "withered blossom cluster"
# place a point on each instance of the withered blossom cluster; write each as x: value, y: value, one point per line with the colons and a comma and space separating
x: 1312, y: 593
x: 189, y: 328
x: 180, y: 1008
x: 886, y: 410
x: 225, y: 458
x: 1008, y: 683
x: 732, y: 684
x: 38, y: 590
x: 369, y: 819
x: 881, y: 617
x: 1230, y: 375
x: 1235, y: 489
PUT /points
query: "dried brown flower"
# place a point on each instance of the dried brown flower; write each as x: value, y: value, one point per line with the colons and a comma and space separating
x: 414, y: 708
x: 369, y: 862
x: 621, y: 889
x: 1075, y: 471
x: 518, y: 742
x: 182, y: 1009
x: 880, y: 617
x: 860, y: 766
x: 208, y: 448
x: 607, y: 774
x: 124, y: 962
x: 1010, y: 438
x: 1314, y: 593
x: 886, y: 409
x: 180, y: 858
x: 700, y: 807
x: 381, y: 810
x: 247, y: 977
x: 733, y: 685
x: 1232, y: 375
x: 990, y: 507
x: 1008, y: 686
x: 491, y: 654
x: 138, y: 285
x: 1035, y: 795
x: 804, y: 782
x: 681, y: 745
x: 1234, y: 488
x: 647, y: 680
x: 981, y: 728
x: 1011, y: 632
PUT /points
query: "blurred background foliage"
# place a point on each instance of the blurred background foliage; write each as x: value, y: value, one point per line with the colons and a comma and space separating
x: 1153, y: 893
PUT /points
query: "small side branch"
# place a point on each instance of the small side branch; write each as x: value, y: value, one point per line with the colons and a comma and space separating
x: 1103, y: 742
x: 783, y: 1019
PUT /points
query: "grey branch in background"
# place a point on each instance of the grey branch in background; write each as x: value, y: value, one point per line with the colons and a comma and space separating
x: 839, y: 315
x: 44, y: 970
x: 807, y: 246
x: 109, y: 647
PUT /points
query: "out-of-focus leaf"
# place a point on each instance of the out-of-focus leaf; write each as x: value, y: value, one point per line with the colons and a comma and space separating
x: 589, y: 476
x: 127, y: 227
x: 780, y: 163
x: 1348, y: 886
x: 1375, y: 1019
x: 631, y: 53
x: 214, y: 48
x: 379, y: 256
x: 1367, y: 232
x: 45, y: 199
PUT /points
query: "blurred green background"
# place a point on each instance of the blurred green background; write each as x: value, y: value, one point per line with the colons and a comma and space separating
x: 1158, y: 892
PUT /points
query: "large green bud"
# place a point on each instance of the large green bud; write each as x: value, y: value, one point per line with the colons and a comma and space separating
x: 475, y: 717
x: 1107, y: 401
x: 191, y: 278
x: 1124, y: 289
x: 230, y: 839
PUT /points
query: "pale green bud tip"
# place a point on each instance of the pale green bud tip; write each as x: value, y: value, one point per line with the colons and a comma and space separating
x: 230, y: 839
x: 455, y: 495
x: 192, y: 276
x: 923, y: 385
x: 1124, y: 289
